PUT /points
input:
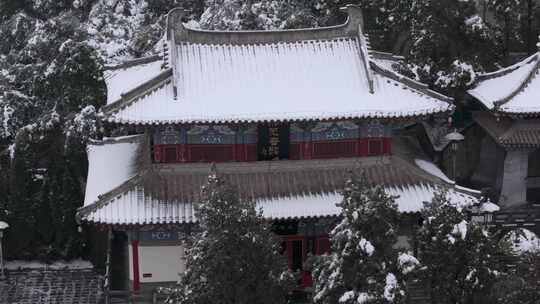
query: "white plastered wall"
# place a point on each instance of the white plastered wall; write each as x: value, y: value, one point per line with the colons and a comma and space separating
x: 164, y: 263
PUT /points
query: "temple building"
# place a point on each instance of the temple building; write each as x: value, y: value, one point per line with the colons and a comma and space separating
x: 507, y: 127
x: 283, y: 115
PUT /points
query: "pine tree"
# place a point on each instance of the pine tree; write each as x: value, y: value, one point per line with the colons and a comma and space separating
x: 449, y: 43
x: 508, y: 14
x: 235, y: 258
x: 460, y: 260
x: 363, y: 266
x: 21, y: 202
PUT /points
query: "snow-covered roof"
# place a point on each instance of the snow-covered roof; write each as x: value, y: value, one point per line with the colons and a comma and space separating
x: 134, y: 208
x: 512, y: 90
x: 123, y: 78
x: 111, y: 163
x: 308, y: 74
x: 164, y: 193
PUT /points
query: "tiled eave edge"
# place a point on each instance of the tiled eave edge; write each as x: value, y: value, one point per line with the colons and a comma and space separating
x: 370, y: 116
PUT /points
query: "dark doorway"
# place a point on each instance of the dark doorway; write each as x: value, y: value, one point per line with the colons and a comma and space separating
x: 297, y: 253
x: 119, y: 261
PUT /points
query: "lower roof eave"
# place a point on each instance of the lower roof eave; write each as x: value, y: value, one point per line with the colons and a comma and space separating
x: 180, y: 224
x: 395, y: 116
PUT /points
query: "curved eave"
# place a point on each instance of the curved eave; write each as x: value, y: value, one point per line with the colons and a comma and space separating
x: 496, y: 104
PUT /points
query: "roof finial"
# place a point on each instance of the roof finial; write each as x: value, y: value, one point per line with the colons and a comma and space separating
x: 175, y: 27
x: 355, y: 18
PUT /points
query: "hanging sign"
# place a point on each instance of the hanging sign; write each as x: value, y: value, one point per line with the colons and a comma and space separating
x: 273, y: 141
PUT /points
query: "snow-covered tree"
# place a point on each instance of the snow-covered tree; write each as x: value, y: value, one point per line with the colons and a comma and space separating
x: 521, y: 283
x: 235, y: 258
x: 50, y: 87
x: 363, y: 266
x: 449, y: 42
x: 460, y: 259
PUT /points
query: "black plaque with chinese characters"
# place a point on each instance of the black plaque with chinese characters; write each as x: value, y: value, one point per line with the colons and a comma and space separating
x: 273, y: 141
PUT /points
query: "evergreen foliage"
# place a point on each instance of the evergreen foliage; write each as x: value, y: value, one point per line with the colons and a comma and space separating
x: 363, y: 266
x: 521, y: 286
x: 460, y: 260
x: 235, y: 258
x: 517, y: 21
x: 449, y: 43
x: 51, y: 83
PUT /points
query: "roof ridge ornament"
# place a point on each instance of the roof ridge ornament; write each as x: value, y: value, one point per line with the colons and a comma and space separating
x: 174, y: 22
x: 180, y: 33
x: 356, y: 17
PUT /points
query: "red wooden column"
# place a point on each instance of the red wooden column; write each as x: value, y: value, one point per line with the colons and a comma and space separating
x: 136, y: 275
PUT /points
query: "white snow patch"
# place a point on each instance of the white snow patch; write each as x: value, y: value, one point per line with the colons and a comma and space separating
x: 407, y: 262
x: 366, y: 246
x: 523, y: 240
x: 432, y: 169
x: 391, y: 286
x: 460, y: 229
x: 347, y: 296
x: 363, y: 297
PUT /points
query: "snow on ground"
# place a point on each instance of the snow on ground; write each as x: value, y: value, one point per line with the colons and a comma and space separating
x: 58, y: 265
